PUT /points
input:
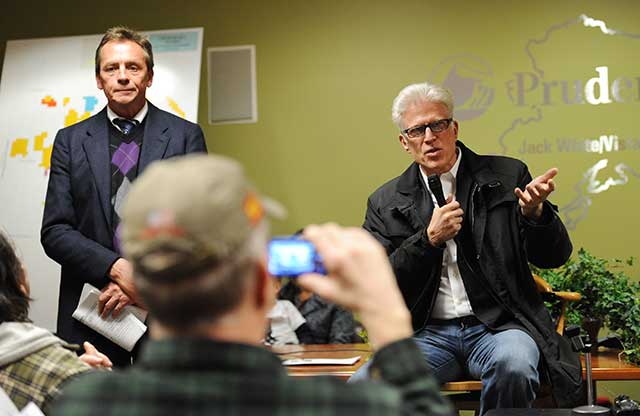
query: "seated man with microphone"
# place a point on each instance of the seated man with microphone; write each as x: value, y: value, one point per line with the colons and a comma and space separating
x: 460, y: 229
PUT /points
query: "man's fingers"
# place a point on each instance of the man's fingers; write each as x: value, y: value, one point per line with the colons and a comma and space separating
x: 89, y: 348
x: 102, y: 299
x: 91, y: 360
x: 106, y: 362
x: 522, y: 196
x: 124, y: 301
x: 550, y: 174
x: 533, y: 190
x: 111, y: 303
x: 552, y: 186
x: 327, y: 241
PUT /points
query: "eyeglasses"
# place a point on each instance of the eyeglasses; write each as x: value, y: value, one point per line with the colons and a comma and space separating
x: 437, y: 126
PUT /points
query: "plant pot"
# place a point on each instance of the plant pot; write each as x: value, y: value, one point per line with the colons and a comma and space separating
x: 592, y: 326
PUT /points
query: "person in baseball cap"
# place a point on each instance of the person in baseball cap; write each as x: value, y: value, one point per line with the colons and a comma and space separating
x: 196, y: 231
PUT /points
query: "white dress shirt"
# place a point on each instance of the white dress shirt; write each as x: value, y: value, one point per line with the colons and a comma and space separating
x: 139, y: 117
x: 452, y: 300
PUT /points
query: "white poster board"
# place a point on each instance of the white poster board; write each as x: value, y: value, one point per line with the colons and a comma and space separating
x: 48, y: 84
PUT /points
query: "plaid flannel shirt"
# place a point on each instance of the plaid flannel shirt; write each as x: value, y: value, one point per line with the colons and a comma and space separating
x: 196, y: 377
x: 38, y: 376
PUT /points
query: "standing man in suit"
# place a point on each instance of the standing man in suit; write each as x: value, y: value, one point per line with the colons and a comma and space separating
x: 93, y: 165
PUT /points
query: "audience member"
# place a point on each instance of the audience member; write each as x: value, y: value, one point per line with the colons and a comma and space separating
x: 326, y: 322
x: 285, y: 321
x: 34, y: 363
x: 196, y: 234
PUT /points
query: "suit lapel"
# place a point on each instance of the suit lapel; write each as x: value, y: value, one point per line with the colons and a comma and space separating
x: 96, y: 148
x: 156, y: 138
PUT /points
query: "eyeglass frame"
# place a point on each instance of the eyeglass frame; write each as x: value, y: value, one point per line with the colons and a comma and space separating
x: 427, y: 126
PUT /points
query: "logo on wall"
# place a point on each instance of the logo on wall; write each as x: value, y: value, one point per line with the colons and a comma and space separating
x: 575, y: 100
x: 471, y: 80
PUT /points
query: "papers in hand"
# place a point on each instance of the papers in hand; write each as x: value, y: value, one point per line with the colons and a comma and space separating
x: 125, y: 330
x: 321, y: 361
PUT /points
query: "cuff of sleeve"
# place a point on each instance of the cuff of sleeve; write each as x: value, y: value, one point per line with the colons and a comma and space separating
x: 425, y: 245
x: 108, y: 273
x: 399, y: 362
x: 545, y: 219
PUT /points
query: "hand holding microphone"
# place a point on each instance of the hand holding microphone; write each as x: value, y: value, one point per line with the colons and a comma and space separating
x: 446, y: 221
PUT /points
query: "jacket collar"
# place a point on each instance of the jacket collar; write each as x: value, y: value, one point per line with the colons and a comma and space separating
x: 410, y: 183
x: 416, y: 205
x: 412, y: 200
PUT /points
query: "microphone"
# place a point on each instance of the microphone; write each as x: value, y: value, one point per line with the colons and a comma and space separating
x: 436, y: 188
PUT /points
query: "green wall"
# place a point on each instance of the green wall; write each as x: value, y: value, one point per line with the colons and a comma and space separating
x: 328, y: 71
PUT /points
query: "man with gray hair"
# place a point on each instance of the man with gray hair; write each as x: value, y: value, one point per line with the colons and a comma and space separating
x: 93, y: 164
x: 199, y: 251
x: 461, y: 260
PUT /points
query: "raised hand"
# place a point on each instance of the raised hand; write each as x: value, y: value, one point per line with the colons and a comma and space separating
x: 535, y: 193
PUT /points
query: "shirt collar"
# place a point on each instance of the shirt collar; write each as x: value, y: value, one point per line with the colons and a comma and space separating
x: 138, y: 117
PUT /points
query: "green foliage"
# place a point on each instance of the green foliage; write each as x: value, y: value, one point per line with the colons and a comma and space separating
x: 607, y: 293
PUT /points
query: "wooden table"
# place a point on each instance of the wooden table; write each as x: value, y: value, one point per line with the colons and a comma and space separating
x: 606, y: 364
x: 324, y: 351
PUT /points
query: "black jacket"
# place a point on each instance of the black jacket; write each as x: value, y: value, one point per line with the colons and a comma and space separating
x: 503, y: 243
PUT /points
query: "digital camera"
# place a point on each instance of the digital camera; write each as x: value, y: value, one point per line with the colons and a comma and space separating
x: 293, y: 256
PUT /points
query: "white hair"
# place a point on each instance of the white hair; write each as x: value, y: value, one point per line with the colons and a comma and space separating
x: 416, y: 93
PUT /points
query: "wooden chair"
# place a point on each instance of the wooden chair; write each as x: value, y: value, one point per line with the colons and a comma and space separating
x: 465, y: 394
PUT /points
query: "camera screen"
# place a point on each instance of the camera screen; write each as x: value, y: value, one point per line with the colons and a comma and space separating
x: 291, y: 257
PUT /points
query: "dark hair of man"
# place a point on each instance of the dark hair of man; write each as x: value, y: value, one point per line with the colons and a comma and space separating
x: 185, y: 301
x: 120, y: 34
x: 14, y: 303
x: 290, y: 291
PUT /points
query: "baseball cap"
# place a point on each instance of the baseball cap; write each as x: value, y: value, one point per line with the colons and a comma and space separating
x: 191, y: 212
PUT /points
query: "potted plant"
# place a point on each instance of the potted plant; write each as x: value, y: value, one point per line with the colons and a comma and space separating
x: 608, y: 296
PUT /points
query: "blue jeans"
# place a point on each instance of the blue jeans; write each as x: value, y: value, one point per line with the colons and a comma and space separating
x: 506, y: 362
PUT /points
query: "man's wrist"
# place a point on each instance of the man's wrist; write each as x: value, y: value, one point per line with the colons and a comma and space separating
x: 533, y: 214
x: 113, y: 269
x: 385, y: 327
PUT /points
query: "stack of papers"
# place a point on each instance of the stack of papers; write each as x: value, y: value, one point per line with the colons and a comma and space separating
x: 125, y: 330
x: 321, y: 361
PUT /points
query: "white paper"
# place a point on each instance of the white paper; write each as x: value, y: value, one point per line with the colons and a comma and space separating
x: 31, y: 410
x: 6, y: 404
x: 125, y: 330
x: 321, y: 361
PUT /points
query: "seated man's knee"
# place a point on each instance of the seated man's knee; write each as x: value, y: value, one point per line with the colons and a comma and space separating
x: 517, y: 366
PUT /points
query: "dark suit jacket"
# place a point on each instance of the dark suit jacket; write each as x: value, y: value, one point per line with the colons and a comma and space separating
x: 77, y: 229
